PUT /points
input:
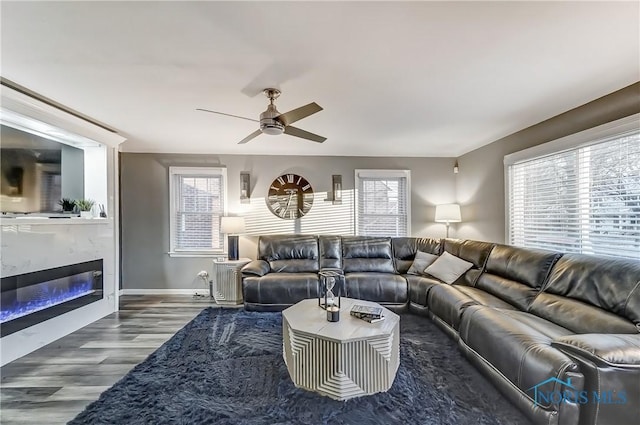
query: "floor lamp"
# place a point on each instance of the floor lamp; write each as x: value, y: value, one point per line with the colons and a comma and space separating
x: 232, y: 226
x: 448, y: 213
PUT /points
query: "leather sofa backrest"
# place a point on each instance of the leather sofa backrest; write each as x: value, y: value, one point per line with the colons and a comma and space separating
x: 475, y: 252
x: 290, y: 253
x: 515, y: 274
x: 404, y: 250
x: 330, y: 252
x: 588, y: 294
x: 367, y: 254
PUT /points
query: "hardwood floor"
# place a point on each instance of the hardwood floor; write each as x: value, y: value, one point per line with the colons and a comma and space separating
x: 55, y: 383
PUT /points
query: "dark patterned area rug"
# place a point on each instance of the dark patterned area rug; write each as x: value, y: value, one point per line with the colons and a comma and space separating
x: 226, y: 367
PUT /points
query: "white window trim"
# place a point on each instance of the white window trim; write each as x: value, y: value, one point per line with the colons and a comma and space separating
x: 364, y: 173
x: 583, y: 138
x: 214, y: 171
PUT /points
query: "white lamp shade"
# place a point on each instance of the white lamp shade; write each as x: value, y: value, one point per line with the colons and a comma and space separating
x: 448, y: 213
x: 232, y: 225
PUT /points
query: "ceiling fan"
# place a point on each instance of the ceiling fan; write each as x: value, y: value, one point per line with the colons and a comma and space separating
x: 273, y: 122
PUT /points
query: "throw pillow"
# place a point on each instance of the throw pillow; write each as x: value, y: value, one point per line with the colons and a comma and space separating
x: 421, y: 261
x: 448, y: 268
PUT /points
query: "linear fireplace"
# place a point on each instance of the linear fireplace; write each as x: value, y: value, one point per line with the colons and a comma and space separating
x: 31, y: 298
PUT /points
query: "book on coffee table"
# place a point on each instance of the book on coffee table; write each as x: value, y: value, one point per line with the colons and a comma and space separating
x: 370, y: 320
x: 366, y: 312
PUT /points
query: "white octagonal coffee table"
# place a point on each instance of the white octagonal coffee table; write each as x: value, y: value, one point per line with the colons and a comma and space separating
x: 341, y: 360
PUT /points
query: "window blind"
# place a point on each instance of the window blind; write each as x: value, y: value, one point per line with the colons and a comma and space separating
x: 198, y: 206
x: 584, y: 200
x: 382, y: 205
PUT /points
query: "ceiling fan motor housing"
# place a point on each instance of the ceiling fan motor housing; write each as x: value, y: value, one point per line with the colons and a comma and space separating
x: 268, y: 122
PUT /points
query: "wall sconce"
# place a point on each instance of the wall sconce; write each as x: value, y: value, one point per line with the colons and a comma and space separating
x: 456, y: 168
x: 336, y: 189
x: 448, y: 213
x: 245, y: 188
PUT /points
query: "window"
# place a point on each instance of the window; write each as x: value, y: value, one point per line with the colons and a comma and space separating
x: 584, y: 198
x: 197, y: 202
x: 383, y: 202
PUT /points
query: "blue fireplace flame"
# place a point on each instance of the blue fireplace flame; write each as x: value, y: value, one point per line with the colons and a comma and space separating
x: 30, y: 298
x: 48, y: 295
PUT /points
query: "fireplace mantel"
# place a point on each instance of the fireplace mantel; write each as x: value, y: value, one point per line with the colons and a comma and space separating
x: 6, y: 223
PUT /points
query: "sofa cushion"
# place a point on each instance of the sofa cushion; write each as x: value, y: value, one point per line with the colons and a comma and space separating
x: 294, y: 266
x: 448, y: 302
x: 516, y: 274
x: 330, y: 252
x: 586, y: 293
x: 289, y: 253
x: 475, y: 252
x: 405, y: 249
x: 448, y: 268
x: 367, y: 254
x: 452, y: 246
x: 256, y: 268
x: 618, y: 350
x: 280, y: 288
x: 545, y: 327
x: 419, y: 287
x: 421, y: 261
x: 521, y: 352
x: 484, y: 298
x: 383, y: 288
x: 472, y: 251
x: 579, y: 316
x: 528, y: 266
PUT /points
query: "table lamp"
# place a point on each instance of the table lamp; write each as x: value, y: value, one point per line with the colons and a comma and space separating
x: 232, y: 226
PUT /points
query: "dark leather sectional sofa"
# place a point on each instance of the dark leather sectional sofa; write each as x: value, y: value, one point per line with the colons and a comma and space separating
x: 559, y: 335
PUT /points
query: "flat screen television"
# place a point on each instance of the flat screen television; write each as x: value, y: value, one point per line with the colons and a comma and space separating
x: 32, y: 171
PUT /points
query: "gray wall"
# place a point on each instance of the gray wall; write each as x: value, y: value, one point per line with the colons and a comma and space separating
x: 480, y: 182
x: 145, y: 205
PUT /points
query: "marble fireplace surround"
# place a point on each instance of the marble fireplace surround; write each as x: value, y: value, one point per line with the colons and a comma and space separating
x: 30, y: 245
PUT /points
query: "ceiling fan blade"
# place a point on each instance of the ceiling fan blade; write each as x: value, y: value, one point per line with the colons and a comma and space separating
x: 250, y: 137
x: 295, y: 131
x: 297, y: 114
x: 229, y: 115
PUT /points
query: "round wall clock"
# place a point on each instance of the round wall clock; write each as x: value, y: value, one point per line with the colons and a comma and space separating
x: 290, y: 196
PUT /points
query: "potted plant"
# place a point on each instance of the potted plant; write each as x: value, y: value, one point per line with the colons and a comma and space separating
x: 67, y: 204
x: 85, y: 205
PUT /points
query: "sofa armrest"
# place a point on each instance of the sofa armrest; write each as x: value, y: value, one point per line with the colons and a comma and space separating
x: 256, y: 268
x: 619, y: 350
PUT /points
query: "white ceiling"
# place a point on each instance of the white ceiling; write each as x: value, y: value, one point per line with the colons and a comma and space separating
x: 394, y: 78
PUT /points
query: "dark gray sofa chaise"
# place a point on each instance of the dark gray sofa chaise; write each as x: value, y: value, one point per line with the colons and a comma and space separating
x: 522, y: 316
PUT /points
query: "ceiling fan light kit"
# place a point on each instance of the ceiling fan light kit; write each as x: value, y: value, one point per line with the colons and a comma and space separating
x: 272, y: 122
x: 268, y: 122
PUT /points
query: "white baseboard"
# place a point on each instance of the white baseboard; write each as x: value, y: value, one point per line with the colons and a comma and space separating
x: 164, y: 291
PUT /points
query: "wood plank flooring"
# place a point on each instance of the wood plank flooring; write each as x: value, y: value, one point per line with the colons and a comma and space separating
x: 55, y: 383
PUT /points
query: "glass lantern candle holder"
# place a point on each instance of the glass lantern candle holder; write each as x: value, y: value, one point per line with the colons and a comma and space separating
x: 330, y: 285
